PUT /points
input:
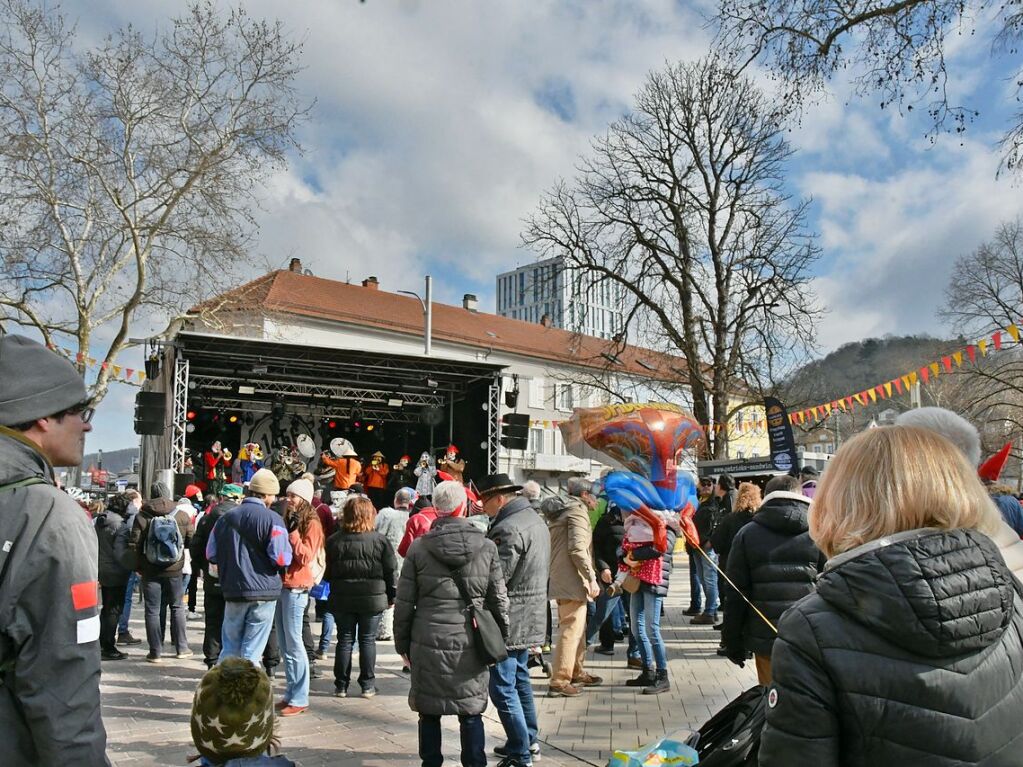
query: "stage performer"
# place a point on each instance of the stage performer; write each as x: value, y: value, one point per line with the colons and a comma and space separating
x: 374, y: 479
x: 401, y: 475
x: 250, y: 460
x: 452, y: 464
x: 344, y: 462
x: 215, y: 470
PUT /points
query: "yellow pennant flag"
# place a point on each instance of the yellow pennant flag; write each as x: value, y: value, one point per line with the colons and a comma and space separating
x: 1014, y: 332
x: 982, y: 345
x: 92, y: 362
x: 958, y: 357
x: 142, y: 376
x: 872, y: 394
x: 827, y: 407
x: 913, y: 378
x: 888, y: 388
x: 841, y: 404
x: 117, y: 370
x: 934, y: 369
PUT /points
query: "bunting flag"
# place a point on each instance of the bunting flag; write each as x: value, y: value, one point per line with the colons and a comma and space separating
x: 971, y: 352
x: 888, y: 389
x: 872, y: 394
x: 880, y: 390
x: 1014, y: 332
x: 907, y: 381
x: 958, y: 357
x: 947, y: 362
x: 898, y: 385
x: 848, y: 401
x: 997, y: 339
x: 925, y: 374
x: 982, y: 343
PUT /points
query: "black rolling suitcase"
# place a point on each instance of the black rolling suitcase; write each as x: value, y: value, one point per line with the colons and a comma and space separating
x: 731, y: 738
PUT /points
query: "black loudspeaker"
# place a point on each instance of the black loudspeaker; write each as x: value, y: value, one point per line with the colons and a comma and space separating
x: 181, y: 481
x: 150, y: 412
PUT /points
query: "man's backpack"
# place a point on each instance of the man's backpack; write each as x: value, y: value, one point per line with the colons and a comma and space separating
x: 164, y: 544
x: 123, y: 552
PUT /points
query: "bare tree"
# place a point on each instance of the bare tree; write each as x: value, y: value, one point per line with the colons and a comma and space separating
x: 129, y: 170
x: 895, y: 48
x: 680, y: 204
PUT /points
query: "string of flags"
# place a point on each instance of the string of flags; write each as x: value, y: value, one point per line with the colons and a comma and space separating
x: 117, y: 372
x: 897, y: 386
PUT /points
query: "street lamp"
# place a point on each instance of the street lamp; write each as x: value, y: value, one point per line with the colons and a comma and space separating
x: 427, y: 305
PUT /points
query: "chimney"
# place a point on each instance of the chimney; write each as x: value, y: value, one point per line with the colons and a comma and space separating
x: 470, y: 302
x: 295, y: 265
x: 372, y: 283
x: 546, y: 321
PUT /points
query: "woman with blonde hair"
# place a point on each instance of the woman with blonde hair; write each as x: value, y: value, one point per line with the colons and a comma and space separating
x: 361, y: 570
x: 911, y: 649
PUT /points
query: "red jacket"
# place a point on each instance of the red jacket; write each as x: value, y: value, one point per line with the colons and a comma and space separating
x: 418, y: 525
x: 303, y: 552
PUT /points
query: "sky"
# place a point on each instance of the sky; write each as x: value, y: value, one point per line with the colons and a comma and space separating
x: 438, y: 124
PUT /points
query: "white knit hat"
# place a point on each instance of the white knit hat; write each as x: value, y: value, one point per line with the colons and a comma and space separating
x: 303, y: 488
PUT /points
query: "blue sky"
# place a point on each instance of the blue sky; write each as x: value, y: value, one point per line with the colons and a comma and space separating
x: 439, y: 123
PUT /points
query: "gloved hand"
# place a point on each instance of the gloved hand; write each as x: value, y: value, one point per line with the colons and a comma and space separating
x: 738, y: 656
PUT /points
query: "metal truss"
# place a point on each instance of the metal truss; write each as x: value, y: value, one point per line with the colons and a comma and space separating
x: 329, y: 395
x: 179, y: 414
x: 319, y: 410
x: 493, y: 425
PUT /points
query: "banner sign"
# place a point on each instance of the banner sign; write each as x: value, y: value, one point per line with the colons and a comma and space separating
x: 779, y: 433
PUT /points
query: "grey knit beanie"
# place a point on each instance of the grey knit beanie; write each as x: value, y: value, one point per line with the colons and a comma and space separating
x: 35, y: 382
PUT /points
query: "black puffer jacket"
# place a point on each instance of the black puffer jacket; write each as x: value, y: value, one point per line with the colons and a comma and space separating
x: 728, y: 527
x: 111, y: 571
x: 431, y: 623
x: 773, y: 562
x: 910, y: 653
x: 608, y: 535
x: 667, y: 559
x: 361, y: 569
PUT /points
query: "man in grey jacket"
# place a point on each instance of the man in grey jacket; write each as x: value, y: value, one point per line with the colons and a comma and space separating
x: 49, y: 619
x: 524, y: 546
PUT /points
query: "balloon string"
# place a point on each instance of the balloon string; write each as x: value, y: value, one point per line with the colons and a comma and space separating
x: 730, y: 583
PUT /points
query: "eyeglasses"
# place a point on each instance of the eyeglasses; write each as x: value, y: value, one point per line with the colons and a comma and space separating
x: 82, y: 411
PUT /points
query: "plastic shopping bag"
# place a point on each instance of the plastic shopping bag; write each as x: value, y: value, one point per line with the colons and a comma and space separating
x: 670, y: 751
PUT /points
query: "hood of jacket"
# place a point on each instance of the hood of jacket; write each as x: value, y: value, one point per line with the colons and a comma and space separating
x: 935, y: 593
x: 158, y: 507
x: 19, y: 459
x: 784, y: 513
x: 454, y: 541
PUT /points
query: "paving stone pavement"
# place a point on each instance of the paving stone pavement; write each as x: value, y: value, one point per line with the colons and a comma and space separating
x: 146, y: 706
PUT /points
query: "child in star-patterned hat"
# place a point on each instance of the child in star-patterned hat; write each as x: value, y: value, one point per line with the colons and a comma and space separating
x: 233, y: 717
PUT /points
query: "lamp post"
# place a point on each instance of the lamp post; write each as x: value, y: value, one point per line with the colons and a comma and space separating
x: 427, y: 305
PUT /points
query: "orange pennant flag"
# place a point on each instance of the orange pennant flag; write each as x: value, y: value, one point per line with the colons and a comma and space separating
x: 958, y: 358
x: 117, y: 370
x: 913, y: 378
x: 1014, y: 332
x: 934, y: 369
x: 142, y: 376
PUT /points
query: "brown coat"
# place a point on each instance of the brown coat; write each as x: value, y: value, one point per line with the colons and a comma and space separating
x: 571, y: 551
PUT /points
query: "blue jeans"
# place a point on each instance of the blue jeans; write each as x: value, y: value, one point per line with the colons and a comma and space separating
x: 291, y: 606
x: 603, y: 608
x: 709, y: 577
x: 352, y: 626
x: 326, y: 631
x: 695, y: 581
x: 512, y: 694
x: 646, y: 623
x: 633, y: 649
x: 247, y: 626
x: 122, y: 625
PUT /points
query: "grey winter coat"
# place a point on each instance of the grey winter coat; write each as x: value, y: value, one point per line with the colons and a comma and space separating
x: 431, y: 625
x: 524, y: 546
x: 49, y: 620
x: 909, y: 653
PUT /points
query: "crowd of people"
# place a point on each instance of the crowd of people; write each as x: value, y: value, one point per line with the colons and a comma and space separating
x: 879, y: 603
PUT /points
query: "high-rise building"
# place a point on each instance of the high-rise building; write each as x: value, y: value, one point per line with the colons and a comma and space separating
x: 571, y: 301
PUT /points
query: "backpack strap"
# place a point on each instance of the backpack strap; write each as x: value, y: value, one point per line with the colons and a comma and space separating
x: 27, y: 482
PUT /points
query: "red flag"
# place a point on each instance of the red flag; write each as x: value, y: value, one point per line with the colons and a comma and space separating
x: 898, y: 384
x: 997, y: 338
x: 925, y: 373
x: 947, y: 362
x: 971, y: 352
x: 880, y: 390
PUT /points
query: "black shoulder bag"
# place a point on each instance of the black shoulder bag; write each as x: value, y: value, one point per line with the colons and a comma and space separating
x: 486, y: 633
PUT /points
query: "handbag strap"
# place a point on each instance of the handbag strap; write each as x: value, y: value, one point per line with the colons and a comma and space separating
x: 463, y: 590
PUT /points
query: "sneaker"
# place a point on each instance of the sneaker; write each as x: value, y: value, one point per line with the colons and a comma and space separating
x: 587, y: 680
x: 369, y: 692
x: 601, y: 650
x: 704, y: 619
x: 635, y: 663
x: 154, y: 658
x: 193, y: 616
x: 185, y: 654
x: 126, y: 639
x: 563, y: 691
x: 113, y: 655
x: 534, y: 751
x: 692, y: 611
x: 292, y: 710
x: 340, y: 692
x: 511, y: 761
x: 384, y: 638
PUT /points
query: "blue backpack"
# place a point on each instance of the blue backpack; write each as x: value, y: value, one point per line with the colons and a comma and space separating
x: 164, y: 545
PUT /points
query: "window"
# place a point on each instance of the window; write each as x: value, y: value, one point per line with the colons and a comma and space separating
x: 536, y: 393
x: 563, y: 396
x: 535, y: 444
